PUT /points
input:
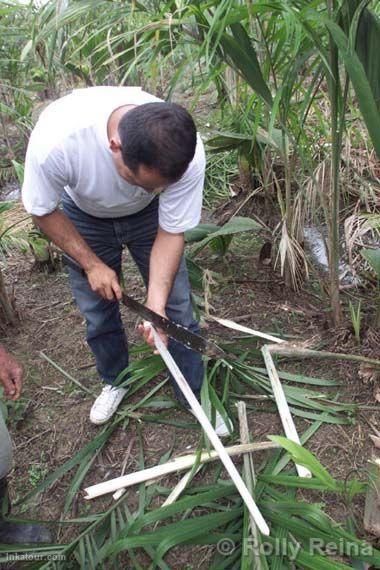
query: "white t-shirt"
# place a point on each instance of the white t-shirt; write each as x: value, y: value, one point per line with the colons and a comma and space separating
x: 69, y: 150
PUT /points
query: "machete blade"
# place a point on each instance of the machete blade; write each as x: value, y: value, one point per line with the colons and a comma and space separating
x: 183, y: 335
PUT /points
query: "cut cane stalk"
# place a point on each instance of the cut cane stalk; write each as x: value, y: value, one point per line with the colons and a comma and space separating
x: 282, y: 405
x: 250, y: 477
x: 289, y: 350
x: 241, y: 328
x: 180, y: 487
x: 177, y: 464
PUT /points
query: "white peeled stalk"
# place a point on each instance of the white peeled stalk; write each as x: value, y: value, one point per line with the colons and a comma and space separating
x: 282, y: 405
x: 119, y: 493
x: 116, y: 496
x: 210, y: 432
x: 250, y: 476
x: 172, y: 466
x: 179, y: 488
x: 241, y: 328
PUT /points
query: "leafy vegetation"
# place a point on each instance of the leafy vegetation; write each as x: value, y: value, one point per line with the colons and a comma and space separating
x: 289, y: 78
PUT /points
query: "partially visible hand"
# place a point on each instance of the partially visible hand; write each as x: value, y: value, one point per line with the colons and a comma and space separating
x: 104, y: 281
x: 10, y: 375
x: 146, y: 331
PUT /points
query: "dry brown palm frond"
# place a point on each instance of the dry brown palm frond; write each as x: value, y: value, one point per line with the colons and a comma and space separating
x: 16, y: 216
x: 316, y: 190
x: 6, y: 173
x: 208, y: 281
x: 298, y: 217
x: 361, y: 171
x: 360, y: 230
x: 291, y: 253
x: 312, y: 342
x: 15, y: 225
x: 360, y: 180
x: 368, y: 374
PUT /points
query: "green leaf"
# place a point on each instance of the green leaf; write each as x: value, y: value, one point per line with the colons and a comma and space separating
x: 40, y: 247
x: 200, y: 232
x: 373, y: 258
x: 208, y: 497
x: 19, y: 169
x: 223, y: 141
x: 4, y: 206
x: 234, y: 226
x: 195, y: 272
x: 228, y: 141
x: 176, y: 533
x: 299, y: 378
x: 363, y: 27
x: 368, y: 49
x: 304, y: 457
x: 294, y: 482
x: 356, y: 72
x: 240, y: 52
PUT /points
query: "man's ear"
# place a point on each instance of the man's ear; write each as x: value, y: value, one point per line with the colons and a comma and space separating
x: 115, y: 144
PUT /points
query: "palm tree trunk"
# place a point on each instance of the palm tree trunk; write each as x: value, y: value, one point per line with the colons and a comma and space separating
x: 288, y: 209
x: 336, y: 139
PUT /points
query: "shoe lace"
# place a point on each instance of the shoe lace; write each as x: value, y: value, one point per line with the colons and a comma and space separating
x: 107, y: 397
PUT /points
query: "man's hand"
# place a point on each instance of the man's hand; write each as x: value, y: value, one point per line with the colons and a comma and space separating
x: 59, y: 228
x: 103, y: 280
x: 10, y: 375
x: 146, y: 331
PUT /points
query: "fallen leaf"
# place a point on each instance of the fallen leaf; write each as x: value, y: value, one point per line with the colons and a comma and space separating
x: 375, y: 441
x: 369, y: 374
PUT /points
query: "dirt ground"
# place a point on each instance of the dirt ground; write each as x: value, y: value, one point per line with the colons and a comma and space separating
x: 50, y: 424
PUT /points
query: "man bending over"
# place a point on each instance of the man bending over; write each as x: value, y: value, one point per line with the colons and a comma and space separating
x: 129, y: 170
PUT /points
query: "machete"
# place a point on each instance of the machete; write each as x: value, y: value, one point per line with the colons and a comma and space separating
x: 177, y: 332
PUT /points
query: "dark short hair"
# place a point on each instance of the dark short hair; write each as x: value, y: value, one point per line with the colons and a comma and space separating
x: 162, y: 136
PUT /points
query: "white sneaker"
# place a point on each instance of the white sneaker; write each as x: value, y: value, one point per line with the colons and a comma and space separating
x: 106, y: 404
x: 221, y: 427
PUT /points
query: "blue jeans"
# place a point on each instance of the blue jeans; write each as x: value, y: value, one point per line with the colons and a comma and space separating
x: 105, y: 332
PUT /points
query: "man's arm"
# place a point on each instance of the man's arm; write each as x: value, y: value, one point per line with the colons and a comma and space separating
x: 59, y: 228
x: 10, y: 375
x: 164, y: 261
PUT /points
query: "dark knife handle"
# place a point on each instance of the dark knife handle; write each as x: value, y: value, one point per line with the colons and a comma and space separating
x: 70, y: 262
